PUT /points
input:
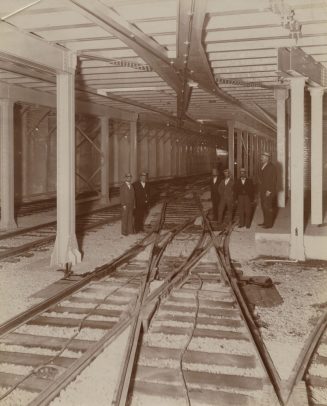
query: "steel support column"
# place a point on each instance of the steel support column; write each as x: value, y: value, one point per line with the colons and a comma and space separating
x: 297, y: 168
x: 66, y: 248
x: 281, y: 95
x: 316, y: 155
x: 133, y: 150
x: 7, y: 165
x: 239, y: 152
x: 116, y: 156
x: 231, y: 159
x: 104, y: 159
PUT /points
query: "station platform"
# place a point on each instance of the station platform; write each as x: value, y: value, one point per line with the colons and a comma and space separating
x: 276, y: 241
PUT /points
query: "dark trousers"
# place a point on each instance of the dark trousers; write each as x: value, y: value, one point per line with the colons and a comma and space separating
x: 223, y: 204
x: 268, y: 209
x: 244, y: 210
x: 139, y: 216
x: 127, y: 220
x: 215, y: 209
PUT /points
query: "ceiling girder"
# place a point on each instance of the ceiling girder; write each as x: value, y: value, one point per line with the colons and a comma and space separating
x: 146, y: 48
x: 198, y: 63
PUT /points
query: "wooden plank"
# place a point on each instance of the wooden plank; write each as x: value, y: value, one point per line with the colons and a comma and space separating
x: 320, y: 359
x: 214, y: 321
x: 171, y: 330
x: 219, y: 397
x: 217, y: 321
x: 159, y: 352
x: 207, y: 311
x: 159, y: 389
x: 53, y: 343
x: 231, y: 360
x: 223, y: 380
x: 31, y: 384
x: 20, y: 358
x: 85, y: 310
x: 53, y: 288
x: 199, y: 357
x: 219, y: 312
x: 175, y: 317
x: 220, y: 334
x: 152, y: 374
x: 315, y: 380
x: 217, y: 334
x: 216, y: 303
x: 70, y: 322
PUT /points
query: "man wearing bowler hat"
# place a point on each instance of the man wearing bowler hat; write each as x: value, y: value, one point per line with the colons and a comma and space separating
x: 226, y: 197
x: 142, y: 199
x: 127, y: 201
x: 244, y: 197
x: 267, y: 189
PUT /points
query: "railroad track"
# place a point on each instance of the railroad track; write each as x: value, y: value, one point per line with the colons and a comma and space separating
x: 202, y: 347
x: 47, y: 346
x: 24, y: 242
x: 198, y: 348
x: 191, y: 299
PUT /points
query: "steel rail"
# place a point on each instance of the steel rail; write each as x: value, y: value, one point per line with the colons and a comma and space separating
x: 265, y: 357
x: 61, y: 382
x: 53, y: 390
x: 147, y: 305
x: 122, y: 388
x: 208, y: 225
x: 305, y: 357
x: 224, y: 259
x: 46, y: 240
x: 99, y: 272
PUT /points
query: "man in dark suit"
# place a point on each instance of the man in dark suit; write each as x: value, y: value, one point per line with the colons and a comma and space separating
x: 267, y: 189
x: 127, y: 201
x: 226, y: 197
x: 244, y: 197
x: 142, y: 199
x: 214, y: 183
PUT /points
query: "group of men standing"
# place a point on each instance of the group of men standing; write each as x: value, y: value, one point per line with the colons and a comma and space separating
x: 225, y: 193
x: 134, y: 200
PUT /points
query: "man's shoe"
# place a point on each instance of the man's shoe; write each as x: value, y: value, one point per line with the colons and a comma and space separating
x: 262, y: 224
x: 240, y: 226
x: 266, y: 226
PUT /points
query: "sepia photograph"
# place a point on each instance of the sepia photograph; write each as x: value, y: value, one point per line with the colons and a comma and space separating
x: 163, y: 200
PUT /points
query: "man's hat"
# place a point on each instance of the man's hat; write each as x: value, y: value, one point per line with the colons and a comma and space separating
x: 143, y: 174
x: 128, y: 175
x: 242, y: 170
x: 266, y: 153
x: 226, y: 170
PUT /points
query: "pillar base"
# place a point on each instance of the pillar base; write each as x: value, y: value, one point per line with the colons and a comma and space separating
x: 297, y: 248
x: 66, y: 253
x: 8, y: 225
x: 281, y: 201
x: 104, y: 200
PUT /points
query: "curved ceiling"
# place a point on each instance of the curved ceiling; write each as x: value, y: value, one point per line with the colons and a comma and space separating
x: 200, y: 61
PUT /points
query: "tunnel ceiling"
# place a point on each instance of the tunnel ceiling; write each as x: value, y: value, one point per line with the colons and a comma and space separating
x: 200, y: 61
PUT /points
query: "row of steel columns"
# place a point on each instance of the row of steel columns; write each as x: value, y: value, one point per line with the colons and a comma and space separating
x: 296, y: 158
x: 293, y: 161
x: 174, y: 154
x: 248, y: 149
